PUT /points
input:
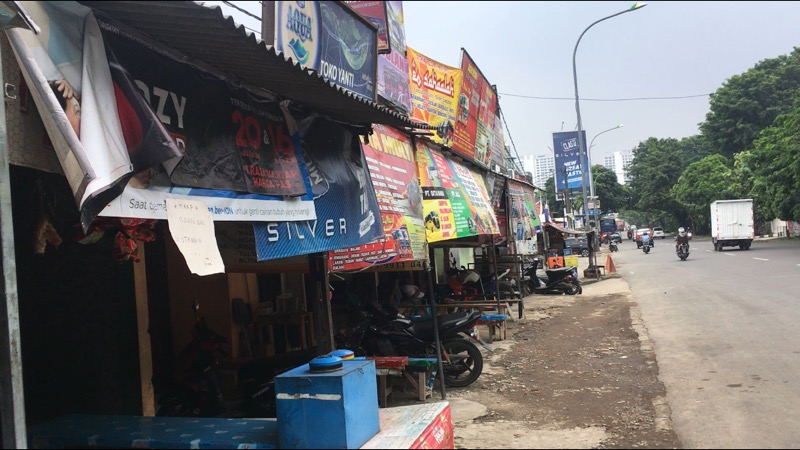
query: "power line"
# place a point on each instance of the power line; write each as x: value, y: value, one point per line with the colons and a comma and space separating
x: 243, y: 11
x: 572, y: 99
x: 514, y: 146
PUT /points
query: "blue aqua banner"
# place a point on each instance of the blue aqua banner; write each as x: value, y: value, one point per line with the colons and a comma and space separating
x: 567, y: 154
x: 344, y: 198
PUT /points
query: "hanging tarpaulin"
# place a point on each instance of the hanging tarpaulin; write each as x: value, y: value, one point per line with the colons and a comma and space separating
x: 496, y: 184
x: 454, y: 197
x: 344, y: 197
x: 523, y: 217
x: 434, y: 94
x: 240, y: 158
x: 101, y: 129
x: 390, y: 156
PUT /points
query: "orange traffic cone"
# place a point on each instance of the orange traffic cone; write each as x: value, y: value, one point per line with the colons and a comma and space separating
x: 610, y: 267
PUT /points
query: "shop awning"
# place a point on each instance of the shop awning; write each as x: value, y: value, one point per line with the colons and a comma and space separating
x: 207, y: 35
x: 558, y: 227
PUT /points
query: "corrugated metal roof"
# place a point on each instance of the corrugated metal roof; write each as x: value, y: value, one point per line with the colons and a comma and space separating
x: 206, y: 34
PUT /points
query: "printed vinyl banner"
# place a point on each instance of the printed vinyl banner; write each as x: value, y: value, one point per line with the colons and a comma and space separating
x: 454, y: 197
x: 476, y: 114
x: 102, y: 131
x: 434, y: 94
x: 390, y: 157
x: 393, y: 84
x: 344, y: 198
x: 375, y: 12
x: 331, y: 38
x: 567, y: 154
x: 523, y: 217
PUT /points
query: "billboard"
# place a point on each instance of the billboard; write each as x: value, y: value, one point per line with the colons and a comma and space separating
x: 434, y: 94
x: 393, y: 84
x: 375, y: 13
x: 476, y: 114
x: 331, y: 38
x: 567, y: 155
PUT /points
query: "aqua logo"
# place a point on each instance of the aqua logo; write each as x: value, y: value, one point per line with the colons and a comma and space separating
x: 299, y: 23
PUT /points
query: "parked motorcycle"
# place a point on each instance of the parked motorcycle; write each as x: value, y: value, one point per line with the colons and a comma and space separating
x: 195, y: 390
x: 612, y: 246
x: 385, y: 333
x: 683, y: 251
x: 561, y: 280
x: 505, y: 286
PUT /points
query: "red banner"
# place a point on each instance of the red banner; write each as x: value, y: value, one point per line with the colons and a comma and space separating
x: 390, y: 157
x: 475, y: 115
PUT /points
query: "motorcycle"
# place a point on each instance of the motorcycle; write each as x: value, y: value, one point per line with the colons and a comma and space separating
x: 612, y: 246
x: 683, y: 251
x: 196, y: 389
x: 386, y: 333
x: 561, y: 280
x: 646, y: 247
x: 507, y: 286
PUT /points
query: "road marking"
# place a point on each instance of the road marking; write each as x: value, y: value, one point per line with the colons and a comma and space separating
x: 730, y: 254
x: 761, y: 259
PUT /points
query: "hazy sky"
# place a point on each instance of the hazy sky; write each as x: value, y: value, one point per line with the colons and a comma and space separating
x: 666, y: 49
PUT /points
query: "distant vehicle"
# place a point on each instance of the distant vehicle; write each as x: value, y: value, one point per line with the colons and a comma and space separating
x: 639, y: 233
x: 579, y: 246
x: 620, y: 225
x: 616, y: 237
x: 608, y: 224
x: 658, y: 232
x: 732, y: 224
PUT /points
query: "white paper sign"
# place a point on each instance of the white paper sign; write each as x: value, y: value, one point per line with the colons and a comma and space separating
x: 192, y: 227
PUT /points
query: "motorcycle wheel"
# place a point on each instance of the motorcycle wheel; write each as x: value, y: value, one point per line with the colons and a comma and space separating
x: 572, y: 288
x: 465, y: 362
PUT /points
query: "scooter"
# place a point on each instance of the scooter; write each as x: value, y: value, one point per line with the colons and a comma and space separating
x: 612, y: 246
x: 646, y: 247
x: 683, y: 251
x: 561, y: 280
x: 386, y: 333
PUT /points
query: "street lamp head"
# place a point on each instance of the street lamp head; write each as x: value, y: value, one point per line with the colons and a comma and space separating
x: 638, y: 5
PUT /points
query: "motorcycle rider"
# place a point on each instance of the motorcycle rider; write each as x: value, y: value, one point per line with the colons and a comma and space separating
x: 646, y: 239
x: 681, y: 238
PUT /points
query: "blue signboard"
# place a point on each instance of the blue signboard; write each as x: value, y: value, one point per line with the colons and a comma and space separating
x: 332, y: 39
x: 567, y: 154
x: 344, y: 198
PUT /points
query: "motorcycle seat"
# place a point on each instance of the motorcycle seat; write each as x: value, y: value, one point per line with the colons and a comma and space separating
x: 424, y: 329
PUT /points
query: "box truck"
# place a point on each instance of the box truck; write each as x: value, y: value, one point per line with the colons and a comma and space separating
x: 732, y: 224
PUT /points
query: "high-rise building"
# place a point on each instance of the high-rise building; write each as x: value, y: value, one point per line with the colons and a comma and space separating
x: 619, y: 162
x: 541, y: 166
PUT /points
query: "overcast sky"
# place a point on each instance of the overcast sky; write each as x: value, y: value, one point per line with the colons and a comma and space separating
x: 666, y: 49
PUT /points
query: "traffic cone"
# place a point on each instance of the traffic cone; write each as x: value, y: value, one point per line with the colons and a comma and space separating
x: 610, y: 268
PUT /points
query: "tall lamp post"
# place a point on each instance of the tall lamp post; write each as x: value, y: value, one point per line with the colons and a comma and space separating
x: 581, y: 143
x: 589, y: 157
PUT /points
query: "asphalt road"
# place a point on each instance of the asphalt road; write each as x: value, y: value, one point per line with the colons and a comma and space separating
x: 726, y: 331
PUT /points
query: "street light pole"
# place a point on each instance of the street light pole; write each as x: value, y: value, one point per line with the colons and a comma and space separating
x: 589, y: 157
x: 581, y: 143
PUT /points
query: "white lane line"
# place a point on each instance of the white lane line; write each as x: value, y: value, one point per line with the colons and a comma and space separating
x: 761, y: 259
x: 730, y: 254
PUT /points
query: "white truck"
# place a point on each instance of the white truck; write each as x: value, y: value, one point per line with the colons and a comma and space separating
x: 732, y: 224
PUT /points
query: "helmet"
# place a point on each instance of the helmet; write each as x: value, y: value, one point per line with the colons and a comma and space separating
x: 681, y: 232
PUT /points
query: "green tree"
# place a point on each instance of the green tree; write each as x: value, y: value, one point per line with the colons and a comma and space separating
x: 613, y: 196
x: 750, y: 102
x: 775, y: 164
x: 700, y: 184
x: 550, y: 196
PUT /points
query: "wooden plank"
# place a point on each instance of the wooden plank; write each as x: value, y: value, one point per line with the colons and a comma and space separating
x: 143, y: 325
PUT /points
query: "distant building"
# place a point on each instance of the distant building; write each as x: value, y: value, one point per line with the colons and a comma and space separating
x: 619, y: 162
x: 541, y: 167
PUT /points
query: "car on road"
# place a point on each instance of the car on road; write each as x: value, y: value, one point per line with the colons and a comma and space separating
x: 658, y: 232
x: 579, y: 246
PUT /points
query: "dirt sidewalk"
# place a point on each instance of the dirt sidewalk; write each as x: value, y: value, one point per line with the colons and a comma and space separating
x: 576, y: 372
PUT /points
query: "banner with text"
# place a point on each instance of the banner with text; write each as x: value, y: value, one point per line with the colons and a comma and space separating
x: 375, y: 12
x: 393, y: 84
x: 390, y: 157
x: 454, y: 197
x: 331, y: 38
x: 344, y: 197
x: 434, y: 94
x: 523, y: 217
x: 567, y: 155
x: 476, y: 113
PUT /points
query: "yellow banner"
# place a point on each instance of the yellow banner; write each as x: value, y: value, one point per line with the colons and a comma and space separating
x: 434, y: 94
